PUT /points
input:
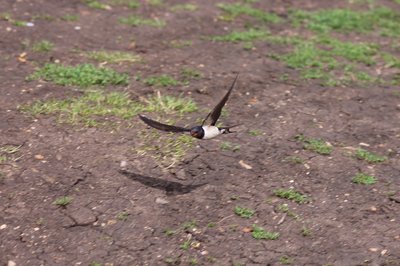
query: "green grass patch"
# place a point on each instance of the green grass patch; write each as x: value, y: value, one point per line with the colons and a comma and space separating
x: 229, y: 146
x: 184, y: 7
x: 161, y: 81
x: 70, y: 17
x: 89, y: 109
x: 123, y: 216
x: 369, y: 156
x: 188, y: 74
x: 179, y: 44
x: 96, y: 4
x: 244, y: 212
x: 363, y: 179
x: 170, y: 104
x: 291, y: 194
x: 135, y: 20
x: 113, y: 56
x: 285, y: 260
x: 155, y: 2
x: 243, y: 36
x: 43, y: 46
x: 317, y: 145
x: 94, y: 106
x: 83, y: 75
x: 189, y: 225
x: 259, y: 233
x: 63, y: 201
x: 237, y: 9
x: 133, y: 4
x: 383, y: 19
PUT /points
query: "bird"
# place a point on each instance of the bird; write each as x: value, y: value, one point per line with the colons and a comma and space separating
x: 207, y: 129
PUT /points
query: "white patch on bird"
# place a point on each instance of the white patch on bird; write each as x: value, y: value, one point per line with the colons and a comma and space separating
x: 211, y: 132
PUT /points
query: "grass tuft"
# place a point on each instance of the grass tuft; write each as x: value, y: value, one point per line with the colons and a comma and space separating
x: 364, y: 179
x: 135, y: 20
x: 237, y: 9
x: 260, y: 233
x: 63, y: 201
x: 316, y: 145
x: 369, y: 156
x: 81, y: 75
x: 42, y: 46
x: 242, y: 36
x: 291, y: 194
x: 184, y: 7
x: 244, y: 212
x: 161, y: 80
x: 113, y: 56
x: 383, y: 19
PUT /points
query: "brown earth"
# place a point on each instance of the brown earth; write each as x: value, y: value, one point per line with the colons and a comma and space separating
x: 349, y: 224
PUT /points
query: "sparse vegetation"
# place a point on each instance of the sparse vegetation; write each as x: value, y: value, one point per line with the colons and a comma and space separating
x: 184, y: 7
x: 382, y: 19
x: 81, y: 75
x: 244, y: 212
x: 70, y: 17
x: 237, y: 9
x: 113, y: 56
x: 305, y: 231
x: 95, y: 106
x: 189, y: 225
x: 161, y: 81
x: 228, y: 146
x: 43, y: 46
x: 316, y: 145
x: 135, y: 20
x: 123, y: 216
x: 285, y: 260
x: 291, y: 194
x: 96, y: 4
x: 363, y: 179
x: 243, y: 36
x: 133, y: 4
x: 259, y: 233
x: 369, y: 156
x: 63, y: 201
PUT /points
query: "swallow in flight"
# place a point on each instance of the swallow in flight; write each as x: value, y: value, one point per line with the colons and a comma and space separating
x: 207, y: 130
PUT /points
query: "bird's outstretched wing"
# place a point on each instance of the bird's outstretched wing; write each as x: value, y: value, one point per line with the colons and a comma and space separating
x: 216, y: 112
x: 160, y: 126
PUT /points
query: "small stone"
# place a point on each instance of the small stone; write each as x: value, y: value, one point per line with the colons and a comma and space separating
x: 3, y: 226
x: 58, y: 157
x: 77, y: 27
x: 123, y: 164
x: 111, y: 222
x: 364, y: 144
x: 204, y: 252
x: 30, y: 24
x: 373, y: 208
x: 181, y: 175
x: 383, y: 252
x: 245, y: 165
x: 161, y: 201
x: 39, y: 157
x: 373, y: 249
x: 11, y: 263
x: 247, y: 229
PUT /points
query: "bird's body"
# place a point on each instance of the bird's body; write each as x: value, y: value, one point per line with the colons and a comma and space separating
x: 212, y: 131
x: 203, y: 131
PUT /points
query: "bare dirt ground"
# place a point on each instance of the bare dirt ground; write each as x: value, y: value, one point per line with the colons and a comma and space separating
x: 145, y: 213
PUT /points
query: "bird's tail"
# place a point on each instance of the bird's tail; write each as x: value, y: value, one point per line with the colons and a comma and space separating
x: 228, y: 129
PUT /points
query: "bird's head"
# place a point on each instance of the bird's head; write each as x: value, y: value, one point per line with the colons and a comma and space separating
x: 197, y: 132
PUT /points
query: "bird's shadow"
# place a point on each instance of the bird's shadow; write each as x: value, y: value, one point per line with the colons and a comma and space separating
x: 170, y: 187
